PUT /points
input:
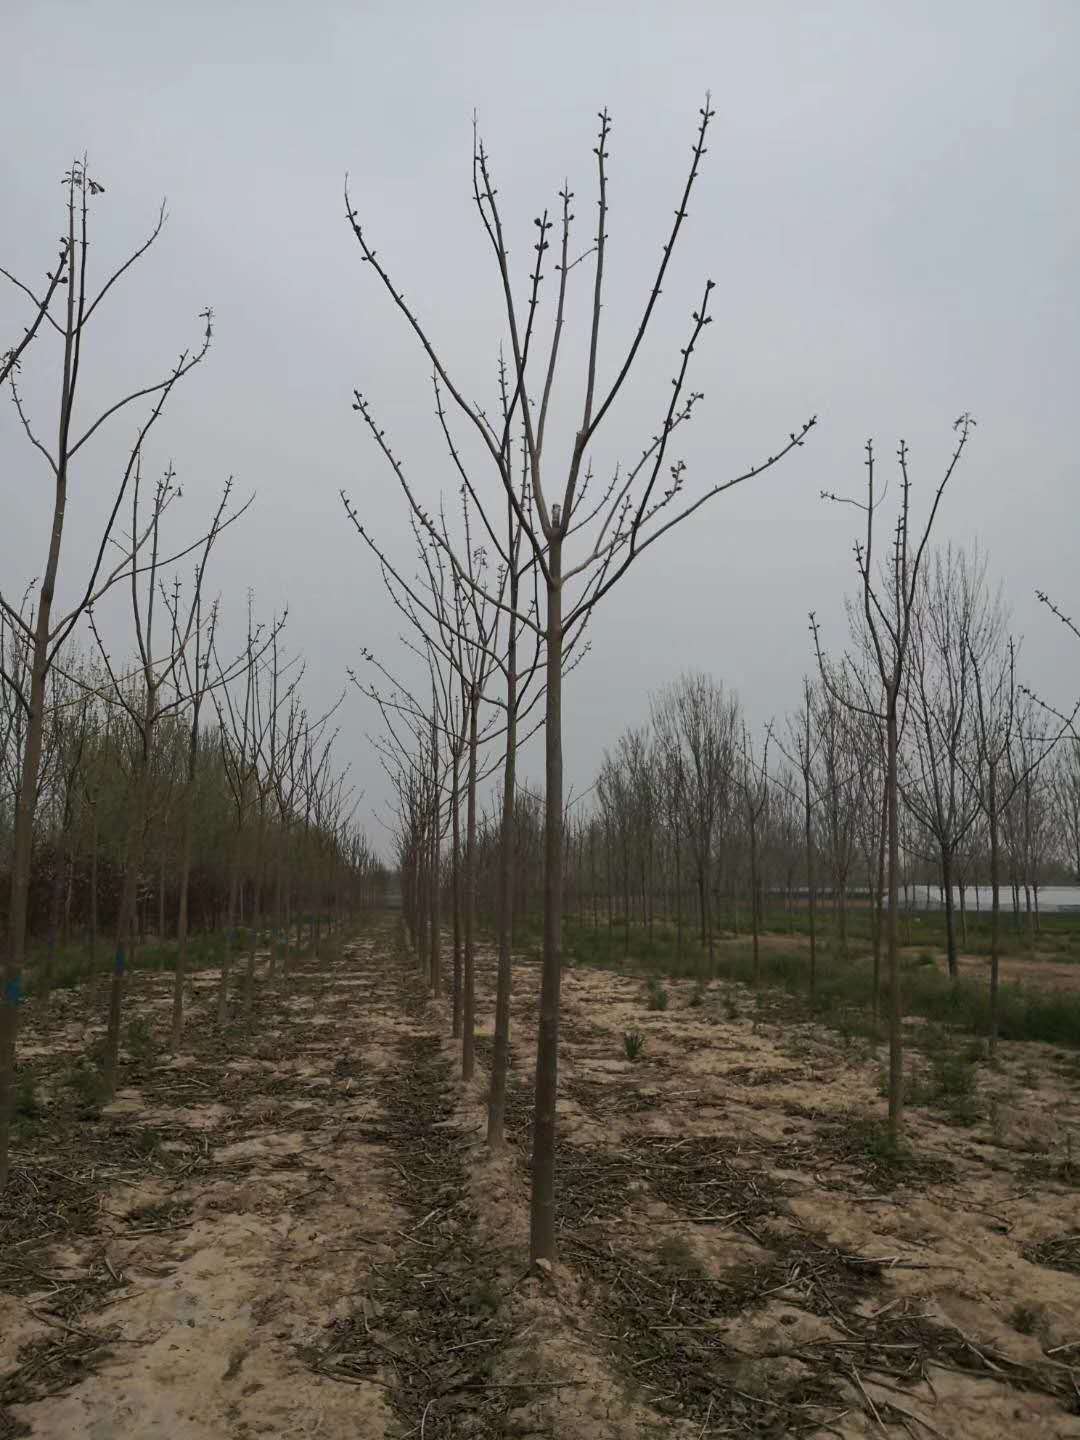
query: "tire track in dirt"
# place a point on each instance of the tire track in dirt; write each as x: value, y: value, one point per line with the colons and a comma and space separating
x: 443, y: 1324
x: 469, y: 1341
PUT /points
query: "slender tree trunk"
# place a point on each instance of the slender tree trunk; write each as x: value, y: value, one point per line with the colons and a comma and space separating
x: 501, y: 1056
x: 678, y: 900
x: 435, y: 935
x: 56, y: 895
x: 186, y: 842
x: 26, y: 800
x: 126, y: 919
x: 896, y: 1053
x: 592, y: 865
x: 455, y: 885
x: 22, y: 848
x: 1028, y: 916
x: 810, y: 885
x: 93, y: 884
x: 995, y: 902
x: 626, y: 900
x: 542, y: 1210
x: 256, y: 920
x: 161, y: 897
x: 70, y: 859
x: 610, y: 888
x: 435, y: 954
x: 702, y: 906
x: 950, y: 911
x: 275, y: 936
x: 226, y: 955
x: 754, y: 920
x: 286, y: 882
x: 468, y: 1036
x: 880, y: 901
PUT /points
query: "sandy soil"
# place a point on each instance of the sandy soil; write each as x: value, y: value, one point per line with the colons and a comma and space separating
x: 294, y: 1228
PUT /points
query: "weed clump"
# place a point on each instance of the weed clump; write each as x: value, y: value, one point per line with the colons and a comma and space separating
x: 634, y: 1044
x: 87, y: 1084
x: 657, y: 995
x: 27, y: 1104
x: 1028, y: 1319
x: 139, y: 1039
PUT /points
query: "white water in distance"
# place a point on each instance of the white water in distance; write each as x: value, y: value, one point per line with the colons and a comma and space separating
x: 1053, y: 899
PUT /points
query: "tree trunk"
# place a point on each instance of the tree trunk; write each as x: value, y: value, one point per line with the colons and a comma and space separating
x: 275, y: 938
x: 256, y: 920
x: 542, y: 1209
x: 126, y: 919
x: 896, y: 1053
x: 26, y: 800
x: 754, y: 902
x: 22, y: 848
x: 678, y: 900
x: 950, y: 911
x: 455, y: 885
x: 435, y: 938
x: 468, y: 1033
x: 93, y: 885
x: 880, y: 901
x: 182, y: 916
x: 501, y: 1057
x: 226, y: 955
x: 809, y: 841
x: 995, y: 903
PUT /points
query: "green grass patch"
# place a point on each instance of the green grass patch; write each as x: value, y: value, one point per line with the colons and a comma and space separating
x: 843, y: 994
x: 73, y: 966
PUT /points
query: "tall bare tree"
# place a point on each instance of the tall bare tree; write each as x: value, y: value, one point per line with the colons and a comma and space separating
x: 888, y: 606
x: 47, y: 633
x: 636, y: 508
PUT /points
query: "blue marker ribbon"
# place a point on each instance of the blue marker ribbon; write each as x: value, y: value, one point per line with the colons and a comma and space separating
x: 119, y: 966
x: 12, y: 992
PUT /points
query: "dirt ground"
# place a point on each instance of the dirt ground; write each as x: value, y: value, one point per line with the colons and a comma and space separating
x: 294, y: 1228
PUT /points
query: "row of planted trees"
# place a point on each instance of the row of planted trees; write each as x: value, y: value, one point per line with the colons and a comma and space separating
x: 236, y: 820
x: 542, y: 524
x: 660, y: 840
x: 152, y: 781
x: 687, y: 802
x: 915, y: 748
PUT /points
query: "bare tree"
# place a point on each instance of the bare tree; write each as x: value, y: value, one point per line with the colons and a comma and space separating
x: 694, y: 718
x: 146, y: 707
x: 1065, y: 783
x: 754, y: 784
x: 956, y: 624
x: 47, y: 634
x: 888, y: 604
x: 634, y: 511
x: 805, y: 743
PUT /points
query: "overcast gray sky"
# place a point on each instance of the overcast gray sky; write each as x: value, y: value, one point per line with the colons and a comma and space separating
x: 889, y: 208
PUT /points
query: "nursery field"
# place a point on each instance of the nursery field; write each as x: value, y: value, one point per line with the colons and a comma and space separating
x: 293, y: 1227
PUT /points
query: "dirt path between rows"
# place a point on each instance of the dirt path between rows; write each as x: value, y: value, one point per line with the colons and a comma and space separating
x: 294, y: 1229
